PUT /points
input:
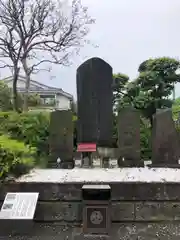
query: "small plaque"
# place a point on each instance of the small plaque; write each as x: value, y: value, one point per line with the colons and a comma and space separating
x: 19, y: 206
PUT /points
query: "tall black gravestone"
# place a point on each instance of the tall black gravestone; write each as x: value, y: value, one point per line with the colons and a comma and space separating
x: 94, y: 98
x: 165, y: 140
x: 129, y: 137
x: 61, y: 139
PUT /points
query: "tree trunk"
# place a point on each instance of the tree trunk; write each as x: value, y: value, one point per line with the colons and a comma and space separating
x: 26, y: 94
x: 15, y: 94
x: 151, y: 121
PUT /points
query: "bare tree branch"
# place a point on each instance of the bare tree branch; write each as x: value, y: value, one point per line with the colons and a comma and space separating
x: 41, y: 31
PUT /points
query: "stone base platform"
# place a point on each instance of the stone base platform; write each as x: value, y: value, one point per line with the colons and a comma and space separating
x: 118, y: 175
x: 145, y: 203
x: 164, y: 165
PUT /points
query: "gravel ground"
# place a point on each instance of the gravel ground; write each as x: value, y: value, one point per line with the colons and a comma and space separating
x: 103, y: 175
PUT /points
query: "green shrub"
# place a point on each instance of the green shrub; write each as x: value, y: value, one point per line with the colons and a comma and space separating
x: 31, y: 128
x: 5, y: 97
x: 15, y: 157
x: 145, y: 141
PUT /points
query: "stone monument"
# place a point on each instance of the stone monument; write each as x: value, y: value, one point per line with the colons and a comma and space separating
x: 129, y: 137
x: 61, y: 139
x: 165, y: 140
x: 94, y: 99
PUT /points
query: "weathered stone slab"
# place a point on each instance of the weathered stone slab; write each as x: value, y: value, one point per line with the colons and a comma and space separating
x: 94, y: 99
x: 47, y: 191
x: 140, y: 191
x: 120, y: 191
x: 165, y: 140
x: 72, y: 211
x: 172, y: 191
x: 123, y: 211
x: 61, y: 138
x: 59, y: 211
x: 143, y: 231
x: 71, y: 192
x: 158, y: 211
x: 146, y: 191
x: 79, y: 235
x: 124, y: 231
x: 129, y: 137
x: 44, y: 231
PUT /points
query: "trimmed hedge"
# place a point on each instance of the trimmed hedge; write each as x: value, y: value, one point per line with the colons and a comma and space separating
x: 15, y: 157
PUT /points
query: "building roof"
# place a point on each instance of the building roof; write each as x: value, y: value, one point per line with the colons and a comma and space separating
x: 37, y: 87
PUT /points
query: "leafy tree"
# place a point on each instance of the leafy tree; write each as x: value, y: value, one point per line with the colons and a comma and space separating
x: 176, y: 108
x: 177, y: 102
x: 34, y: 100
x: 6, y: 99
x: 74, y: 107
x: 153, y: 86
x: 120, y: 81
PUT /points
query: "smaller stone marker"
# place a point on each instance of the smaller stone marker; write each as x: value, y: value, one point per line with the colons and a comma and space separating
x: 129, y: 138
x: 165, y: 140
x: 61, y: 139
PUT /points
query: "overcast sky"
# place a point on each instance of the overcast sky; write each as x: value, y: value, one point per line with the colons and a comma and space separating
x: 127, y: 33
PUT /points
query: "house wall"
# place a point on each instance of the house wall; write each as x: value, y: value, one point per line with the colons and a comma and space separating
x: 62, y: 102
x: 144, y: 211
